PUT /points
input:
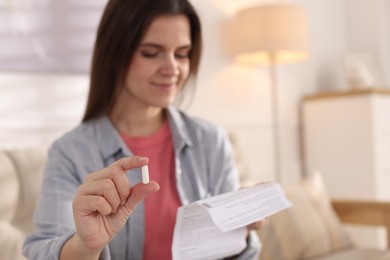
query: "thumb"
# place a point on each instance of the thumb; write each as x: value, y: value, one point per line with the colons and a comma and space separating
x: 138, y: 192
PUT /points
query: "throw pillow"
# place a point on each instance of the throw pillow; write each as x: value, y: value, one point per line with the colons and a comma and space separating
x: 309, y: 228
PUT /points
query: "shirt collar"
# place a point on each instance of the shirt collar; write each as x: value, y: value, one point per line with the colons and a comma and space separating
x: 108, y: 138
x: 179, y: 129
x: 111, y: 143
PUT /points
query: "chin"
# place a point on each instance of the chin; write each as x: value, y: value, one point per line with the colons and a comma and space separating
x: 164, y: 104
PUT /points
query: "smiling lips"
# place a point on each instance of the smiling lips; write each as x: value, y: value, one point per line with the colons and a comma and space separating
x: 164, y: 85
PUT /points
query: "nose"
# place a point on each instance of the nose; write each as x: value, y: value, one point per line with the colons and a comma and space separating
x: 170, y: 66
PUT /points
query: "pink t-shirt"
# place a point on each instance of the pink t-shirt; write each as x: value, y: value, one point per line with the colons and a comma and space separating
x: 160, y: 207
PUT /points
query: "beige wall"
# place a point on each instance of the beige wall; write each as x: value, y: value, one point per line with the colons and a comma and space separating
x: 239, y: 97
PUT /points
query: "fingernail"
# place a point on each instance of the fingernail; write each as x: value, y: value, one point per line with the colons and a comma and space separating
x: 142, y: 159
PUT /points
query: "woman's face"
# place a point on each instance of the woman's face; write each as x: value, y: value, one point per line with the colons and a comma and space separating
x: 160, y: 65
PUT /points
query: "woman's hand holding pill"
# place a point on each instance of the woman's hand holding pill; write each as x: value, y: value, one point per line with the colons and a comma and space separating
x: 105, y: 200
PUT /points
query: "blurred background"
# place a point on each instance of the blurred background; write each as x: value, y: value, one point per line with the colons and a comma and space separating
x: 45, y: 52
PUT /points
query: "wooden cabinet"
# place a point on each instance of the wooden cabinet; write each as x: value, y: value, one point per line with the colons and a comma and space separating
x: 346, y: 136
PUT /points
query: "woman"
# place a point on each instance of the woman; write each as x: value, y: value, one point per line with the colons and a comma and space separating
x: 144, y: 54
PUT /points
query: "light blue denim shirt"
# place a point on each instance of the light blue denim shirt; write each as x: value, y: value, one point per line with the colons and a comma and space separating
x: 204, y: 168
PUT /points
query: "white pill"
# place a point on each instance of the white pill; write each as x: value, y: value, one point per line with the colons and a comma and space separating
x: 145, y: 174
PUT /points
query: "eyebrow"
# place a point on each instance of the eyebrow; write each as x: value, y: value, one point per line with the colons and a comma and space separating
x: 158, y: 46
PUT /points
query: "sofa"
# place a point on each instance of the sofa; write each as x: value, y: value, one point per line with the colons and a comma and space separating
x: 20, y: 178
x: 311, y: 229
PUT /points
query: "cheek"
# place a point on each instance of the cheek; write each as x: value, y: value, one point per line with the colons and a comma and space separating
x: 139, y: 68
x: 185, y: 70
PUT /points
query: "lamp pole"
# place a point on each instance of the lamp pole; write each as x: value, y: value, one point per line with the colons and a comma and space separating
x: 275, y: 116
x: 280, y: 32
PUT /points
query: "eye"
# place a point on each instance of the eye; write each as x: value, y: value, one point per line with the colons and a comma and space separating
x: 149, y: 54
x: 182, y: 55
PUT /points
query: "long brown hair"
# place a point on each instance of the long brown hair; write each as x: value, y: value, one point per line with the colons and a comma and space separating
x: 121, y: 28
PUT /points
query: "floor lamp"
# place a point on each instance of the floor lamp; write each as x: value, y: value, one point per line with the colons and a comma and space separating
x: 271, y: 35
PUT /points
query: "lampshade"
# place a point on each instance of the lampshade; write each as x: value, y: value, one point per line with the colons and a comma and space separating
x: 277, y: 30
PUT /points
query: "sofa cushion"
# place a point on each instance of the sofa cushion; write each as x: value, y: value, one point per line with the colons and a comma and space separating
x: 246, y: 180
x: 11, y: 240
x: 9, y: 187
x: 309, y: 228
x: 356, y: 254
x: 29, y: 165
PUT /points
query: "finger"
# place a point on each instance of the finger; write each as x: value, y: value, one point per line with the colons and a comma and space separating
x: 258, y: 225
x: 122, y: 185
x: 138, y: 192
x: 91, y: 203
x: 104, y: 188
x: 119, y: 167
x: 128, y: 163
x: 121, y: 182
x: 117, y: 172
